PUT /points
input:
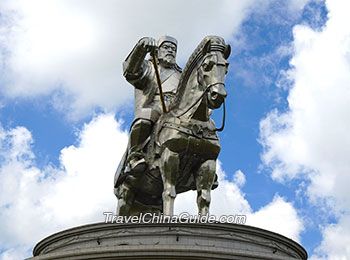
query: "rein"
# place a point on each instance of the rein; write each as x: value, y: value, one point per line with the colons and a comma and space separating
x: 223, y: 119
x: 199, y: 99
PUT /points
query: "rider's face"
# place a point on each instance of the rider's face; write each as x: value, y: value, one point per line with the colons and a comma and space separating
x: 167, y: 54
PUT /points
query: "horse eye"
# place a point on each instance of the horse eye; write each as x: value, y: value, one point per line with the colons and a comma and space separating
x: 205, y: 66
x: 208, y: 65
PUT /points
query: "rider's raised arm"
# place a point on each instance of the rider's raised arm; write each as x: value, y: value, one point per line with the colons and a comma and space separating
x: 135, y: 67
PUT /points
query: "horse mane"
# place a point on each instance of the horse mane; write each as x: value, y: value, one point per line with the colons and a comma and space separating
x: 217, y: 43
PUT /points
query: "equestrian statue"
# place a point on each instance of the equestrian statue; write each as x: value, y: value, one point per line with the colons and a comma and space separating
x: 173, y: 143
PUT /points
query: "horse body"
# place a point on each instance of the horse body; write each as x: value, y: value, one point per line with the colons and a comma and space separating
x: 184, y: 147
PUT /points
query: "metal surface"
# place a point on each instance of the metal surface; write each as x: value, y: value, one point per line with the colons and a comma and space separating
x: 155, y: 64
x: 141, y: 73
x: 181, y: 151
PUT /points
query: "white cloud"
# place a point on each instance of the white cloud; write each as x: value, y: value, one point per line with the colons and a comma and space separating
x: 37, y: 202
x: 278, y: 216
x: 76, y: 49
x: 312, y: 136
x: 239, y: 178
x: 89, y: 169
x: 311, y: 140
x: 336, y: 243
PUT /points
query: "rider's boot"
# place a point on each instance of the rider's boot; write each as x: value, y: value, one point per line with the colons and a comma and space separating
x: 139, y: 132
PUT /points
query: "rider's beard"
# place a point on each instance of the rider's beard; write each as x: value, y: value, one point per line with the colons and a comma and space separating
x: 167, y: 61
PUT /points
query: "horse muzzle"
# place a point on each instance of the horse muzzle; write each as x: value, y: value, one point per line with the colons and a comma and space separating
x: 216, y: 95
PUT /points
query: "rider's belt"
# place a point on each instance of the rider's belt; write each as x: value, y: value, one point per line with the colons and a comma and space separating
x: 196, y: 131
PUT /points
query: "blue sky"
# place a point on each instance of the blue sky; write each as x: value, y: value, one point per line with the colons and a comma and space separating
x: 65, y: 111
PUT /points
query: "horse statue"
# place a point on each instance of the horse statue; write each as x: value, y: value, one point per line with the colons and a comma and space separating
x: 182, y: 150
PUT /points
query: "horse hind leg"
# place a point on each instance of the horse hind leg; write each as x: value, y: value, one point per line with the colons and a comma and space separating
x: 169, y: 170
x: 204, y: 181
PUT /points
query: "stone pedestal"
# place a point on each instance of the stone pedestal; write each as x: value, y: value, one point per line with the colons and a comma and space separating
x: 167, y: 241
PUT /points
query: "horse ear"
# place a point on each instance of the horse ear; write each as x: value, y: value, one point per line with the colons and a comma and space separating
x: 227, y: 51
x: 206, y: 48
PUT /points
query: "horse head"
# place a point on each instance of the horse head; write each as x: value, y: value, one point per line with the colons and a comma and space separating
x: 213, y: 69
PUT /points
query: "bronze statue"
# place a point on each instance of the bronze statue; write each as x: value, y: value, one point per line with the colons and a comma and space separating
x: 178, y: 153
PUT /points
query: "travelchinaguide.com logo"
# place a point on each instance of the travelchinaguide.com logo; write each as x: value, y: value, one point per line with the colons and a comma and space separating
x: 181, y: 218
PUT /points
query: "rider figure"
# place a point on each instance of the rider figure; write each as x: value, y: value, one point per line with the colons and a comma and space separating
x: 141, y: 74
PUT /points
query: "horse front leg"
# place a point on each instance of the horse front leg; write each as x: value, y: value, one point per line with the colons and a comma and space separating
x: 169, y: 170
x: 204, y: 181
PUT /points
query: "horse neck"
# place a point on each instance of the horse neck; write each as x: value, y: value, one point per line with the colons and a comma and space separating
x: 201, y: 113
x: 192, y: 92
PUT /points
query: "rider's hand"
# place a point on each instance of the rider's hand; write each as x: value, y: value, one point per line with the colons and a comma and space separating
x: 148, y: 43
